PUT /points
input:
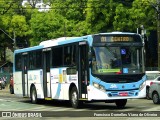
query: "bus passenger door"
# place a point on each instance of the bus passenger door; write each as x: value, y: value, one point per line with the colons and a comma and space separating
x: 24, y: 74
x: 46, y: 72
x: 83, y: 70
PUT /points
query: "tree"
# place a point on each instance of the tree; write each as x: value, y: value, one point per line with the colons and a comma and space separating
x: 142, y: 13
x: 74, y: 13
x: 122, y: 20
x: 33, y: 3
x: 99, y: 15
x: 11, y: 21
x: 46, y: 26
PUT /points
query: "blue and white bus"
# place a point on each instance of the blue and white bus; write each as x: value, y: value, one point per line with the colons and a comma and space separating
x: 106, y: 67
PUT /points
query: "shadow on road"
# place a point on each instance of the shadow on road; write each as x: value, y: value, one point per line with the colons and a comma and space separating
x: 89, y: 106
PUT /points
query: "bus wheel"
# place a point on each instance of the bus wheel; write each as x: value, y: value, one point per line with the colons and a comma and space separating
x: 33, y: 95
x: 74, y: 98
x: 121, y: 103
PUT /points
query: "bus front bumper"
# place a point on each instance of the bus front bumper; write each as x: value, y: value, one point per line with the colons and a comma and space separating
x: 96, y: 94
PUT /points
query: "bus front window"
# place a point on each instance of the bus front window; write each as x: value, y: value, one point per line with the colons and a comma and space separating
x: 116, y: 60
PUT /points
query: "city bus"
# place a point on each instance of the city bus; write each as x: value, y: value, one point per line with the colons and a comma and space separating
x: 104, y: 67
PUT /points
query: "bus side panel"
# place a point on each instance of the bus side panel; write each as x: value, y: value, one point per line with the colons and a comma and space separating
x: 55, y: 83
x: 60, y: 83
x: 18, y: 84
x: 67, y: 80
x: 36, y: 77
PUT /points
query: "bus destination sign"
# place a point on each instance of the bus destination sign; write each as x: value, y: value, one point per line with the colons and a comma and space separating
x: 116, y: 39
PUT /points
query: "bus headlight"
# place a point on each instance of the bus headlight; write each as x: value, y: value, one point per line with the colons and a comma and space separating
x: 142, y: 86
x: 98, y: 86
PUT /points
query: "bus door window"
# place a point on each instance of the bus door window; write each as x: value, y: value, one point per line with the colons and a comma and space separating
x: 82, y: 72
x: 83, y: 61
x: 57, y: 57
x: 73, y: 55
x: 24, y: 74
x: 69, y: 55
x: 47, y: 55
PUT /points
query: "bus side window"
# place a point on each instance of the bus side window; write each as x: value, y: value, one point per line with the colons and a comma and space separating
x: 67, y: 59
x: 67, y: 55
x: 73, y: 55
x: 57, y: 57
x: 73, y: 61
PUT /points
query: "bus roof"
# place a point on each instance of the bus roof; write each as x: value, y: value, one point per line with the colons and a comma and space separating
x: 66, y: 40
x: 54, y: 42
x: 117, y: 32
x: 28, y: 49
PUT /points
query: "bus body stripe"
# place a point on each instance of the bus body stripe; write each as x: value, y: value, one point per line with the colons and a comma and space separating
x: 58, y: 91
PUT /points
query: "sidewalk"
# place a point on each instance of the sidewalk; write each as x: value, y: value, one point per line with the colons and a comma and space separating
x: 6, y: 90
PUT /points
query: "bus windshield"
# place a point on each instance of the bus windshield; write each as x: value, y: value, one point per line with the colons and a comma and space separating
x: 117, y: 60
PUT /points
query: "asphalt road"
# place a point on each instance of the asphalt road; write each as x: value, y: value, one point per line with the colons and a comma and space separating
x: 20, y: 108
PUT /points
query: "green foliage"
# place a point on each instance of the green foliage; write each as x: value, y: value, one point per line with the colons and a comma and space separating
x: 46, y: 26
x: 18, y: 25
x: 75, y: 18
x: 121, y: 19
x: 131, y: 18
x: 143, y: 13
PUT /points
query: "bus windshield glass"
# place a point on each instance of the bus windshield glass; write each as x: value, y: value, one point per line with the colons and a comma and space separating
x: 117, y: 60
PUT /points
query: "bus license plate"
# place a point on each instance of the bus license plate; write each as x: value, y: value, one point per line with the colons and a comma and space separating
x: 123, y: 94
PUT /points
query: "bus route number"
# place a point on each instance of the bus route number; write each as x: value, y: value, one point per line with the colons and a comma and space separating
x: 120, y: 39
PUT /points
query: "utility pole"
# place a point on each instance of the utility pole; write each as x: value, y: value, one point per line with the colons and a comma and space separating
x: 14, y: 40
x: 143, y: 33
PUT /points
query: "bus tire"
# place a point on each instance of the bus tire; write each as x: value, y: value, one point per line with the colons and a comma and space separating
x: 33, y: 95
x: 74, y: 98
x: 121, y: 103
